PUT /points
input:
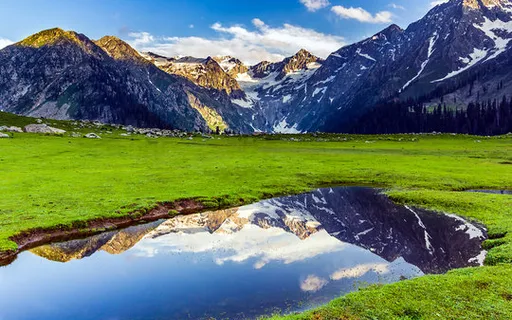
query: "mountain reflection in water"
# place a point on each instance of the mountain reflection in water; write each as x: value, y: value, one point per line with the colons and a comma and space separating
x: 285, y: 254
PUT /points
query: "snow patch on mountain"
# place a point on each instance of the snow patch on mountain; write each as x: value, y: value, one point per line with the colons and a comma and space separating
x: 319, y: 90
x: 489, y: 28
x: 284, y: 127
x: 365, y: 55
x: 428, y: 244
x: 244, y: 103
x: 494, y: 30
x: 227, y: 64
x: 431, y: 49
x: 476, y: 56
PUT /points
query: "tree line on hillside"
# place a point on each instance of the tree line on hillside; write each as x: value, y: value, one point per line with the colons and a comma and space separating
x: 493, y: 117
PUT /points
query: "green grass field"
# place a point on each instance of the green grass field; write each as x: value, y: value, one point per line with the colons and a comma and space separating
x: 49, y: 181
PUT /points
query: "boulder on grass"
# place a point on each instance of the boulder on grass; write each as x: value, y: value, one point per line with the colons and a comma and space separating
x: 11, y: 129
x: 3, y: 135
x: 43, y: 128
x: 92, y: 136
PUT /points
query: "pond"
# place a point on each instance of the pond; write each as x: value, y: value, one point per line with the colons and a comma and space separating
x: 281, y: 255
x: 506, y: 192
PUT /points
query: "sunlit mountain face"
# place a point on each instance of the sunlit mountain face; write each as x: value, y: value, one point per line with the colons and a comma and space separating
x: 280, y: 255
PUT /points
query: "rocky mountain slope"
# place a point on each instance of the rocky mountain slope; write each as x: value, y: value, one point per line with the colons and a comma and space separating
x: 64, y: 75
x: 206, y: 73
x: 438, y: 51
x: 232, y: 66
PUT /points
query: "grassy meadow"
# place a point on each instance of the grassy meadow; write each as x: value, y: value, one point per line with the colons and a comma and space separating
x: 63, y: 181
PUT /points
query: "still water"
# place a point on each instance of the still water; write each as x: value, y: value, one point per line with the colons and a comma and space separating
x: 281, y: 255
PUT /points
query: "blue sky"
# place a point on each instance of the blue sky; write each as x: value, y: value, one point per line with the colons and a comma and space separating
x: 253, y: 30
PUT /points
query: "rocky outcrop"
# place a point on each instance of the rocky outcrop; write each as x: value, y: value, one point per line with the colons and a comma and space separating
x: 232, y: 66
x: 11, y: 129
x: 206, y: 73
x: 92, y: 136
x: 43, y: 128
x: 120, y: 50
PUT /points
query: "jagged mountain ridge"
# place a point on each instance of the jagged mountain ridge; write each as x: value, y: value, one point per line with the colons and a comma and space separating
x: 437, y: 51
x: 455, y: 41
x: 261, y: 89
x: 231, y: 65
x: 270, y: 88
x: 64, y: 75
x: 206, y: 72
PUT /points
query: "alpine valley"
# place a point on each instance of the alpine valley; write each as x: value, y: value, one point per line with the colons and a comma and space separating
x: 450, y: 71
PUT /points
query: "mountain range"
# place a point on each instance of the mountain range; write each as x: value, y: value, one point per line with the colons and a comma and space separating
x: 459, y: 53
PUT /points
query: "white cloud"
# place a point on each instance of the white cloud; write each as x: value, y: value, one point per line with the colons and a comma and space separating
x: 141, y: 38
x: 5, y: 42
x: 360, y: 270
x: 437, y: 2
x: 362, y: 15
x: 262, y: 42
x: 396, y: 6
x: 314, y: 5
x: 191, y: 26
x: 258, y: 22
x: 264, y: 246
x: 313, y: 283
